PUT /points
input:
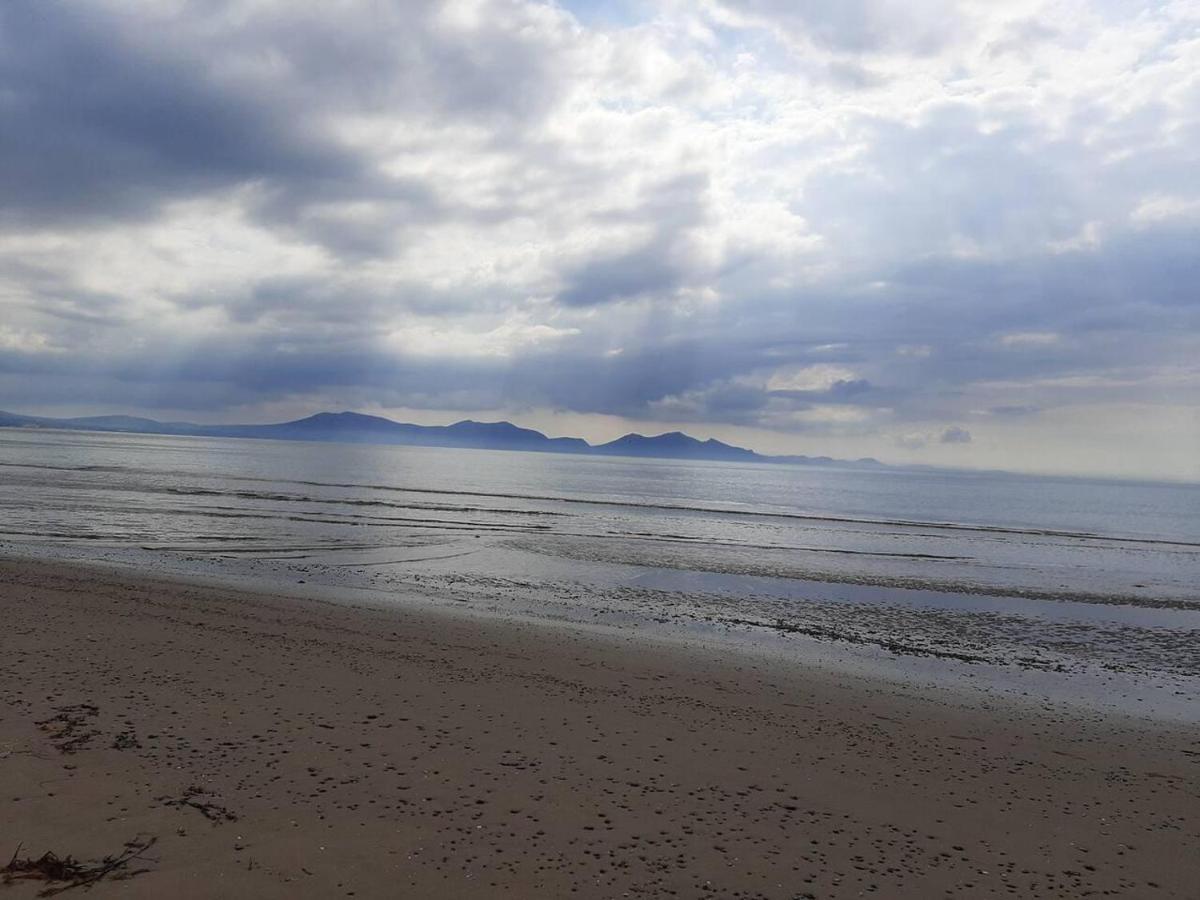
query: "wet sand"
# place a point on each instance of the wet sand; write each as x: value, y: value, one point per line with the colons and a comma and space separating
x: 287, y: 747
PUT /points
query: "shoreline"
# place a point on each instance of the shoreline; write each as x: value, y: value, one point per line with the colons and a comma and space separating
x: 850, y: 640
x: 367, y: 749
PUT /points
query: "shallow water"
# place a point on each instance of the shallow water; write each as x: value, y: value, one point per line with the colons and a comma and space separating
x: 1050, y: 575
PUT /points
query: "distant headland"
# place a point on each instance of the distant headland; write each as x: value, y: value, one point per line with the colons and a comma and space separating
x: 357, y: 428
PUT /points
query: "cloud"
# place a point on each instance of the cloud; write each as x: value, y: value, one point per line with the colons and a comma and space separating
x: 113, y: 109
x: 854, y: 25
x: 646, y: 270
x: 849, y: 223
x: 657, y: 266
x: 955, y: 435
x: 107, y: 115
x: 1029, y: 339
x: 819, y: 377
x: 917, y: 440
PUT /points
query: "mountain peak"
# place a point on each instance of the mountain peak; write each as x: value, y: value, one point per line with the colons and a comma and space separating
x: 675, y: 443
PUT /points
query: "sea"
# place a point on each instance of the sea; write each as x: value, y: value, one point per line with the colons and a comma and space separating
x: 1073, y: 590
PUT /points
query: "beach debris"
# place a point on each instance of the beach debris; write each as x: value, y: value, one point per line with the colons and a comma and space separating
x: 514, y: 760
x: 126, y: 740
x: 65, y: 873
x: 68, y: 728
x: 193, y: 798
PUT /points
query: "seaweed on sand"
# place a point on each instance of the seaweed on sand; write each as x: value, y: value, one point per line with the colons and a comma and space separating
x: 65, y: 873
x: 193, y: 798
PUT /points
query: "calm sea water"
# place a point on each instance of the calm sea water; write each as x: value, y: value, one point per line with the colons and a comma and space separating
x: 1041, y: 573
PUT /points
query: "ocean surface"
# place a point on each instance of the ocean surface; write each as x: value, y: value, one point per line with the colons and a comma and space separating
x: 1077, y: 587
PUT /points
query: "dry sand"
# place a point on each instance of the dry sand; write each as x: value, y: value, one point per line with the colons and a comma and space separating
x: 284, y: 747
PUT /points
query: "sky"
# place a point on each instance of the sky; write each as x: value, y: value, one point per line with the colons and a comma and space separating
x: 958, y: 233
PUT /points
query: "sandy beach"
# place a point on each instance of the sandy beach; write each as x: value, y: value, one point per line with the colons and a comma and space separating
x: 274, y: 746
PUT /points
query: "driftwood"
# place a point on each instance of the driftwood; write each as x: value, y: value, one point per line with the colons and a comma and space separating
x: 66, y: 873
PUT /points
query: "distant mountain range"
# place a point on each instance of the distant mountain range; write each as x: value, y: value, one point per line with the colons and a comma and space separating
x: 356, y: 428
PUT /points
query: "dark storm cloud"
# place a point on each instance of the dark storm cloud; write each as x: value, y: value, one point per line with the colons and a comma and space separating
x: 1139, y: 281
x: 100, y: 123
x: 1085, y: 312
x: 108, y: 114
x: 281, y: 364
